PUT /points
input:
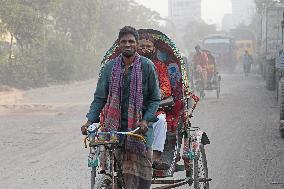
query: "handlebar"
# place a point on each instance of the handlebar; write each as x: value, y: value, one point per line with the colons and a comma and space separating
x: 129, y: 133
x: 92, y: 132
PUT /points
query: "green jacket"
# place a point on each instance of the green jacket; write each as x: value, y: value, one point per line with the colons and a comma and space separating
x: 150, y: 89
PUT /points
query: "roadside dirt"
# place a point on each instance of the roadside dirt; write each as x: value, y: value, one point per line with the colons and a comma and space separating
x: 41, y: 145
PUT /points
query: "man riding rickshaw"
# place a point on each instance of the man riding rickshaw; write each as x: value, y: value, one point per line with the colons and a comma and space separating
x: 200, y: 60
x: 143, y: 88
x: 205, y: 72
x: 211, y: 68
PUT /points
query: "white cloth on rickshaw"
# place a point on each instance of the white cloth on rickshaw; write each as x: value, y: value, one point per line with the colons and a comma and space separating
x: 160, y: 132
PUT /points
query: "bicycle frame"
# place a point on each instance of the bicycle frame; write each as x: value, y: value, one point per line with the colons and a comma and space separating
x: 106, y: 146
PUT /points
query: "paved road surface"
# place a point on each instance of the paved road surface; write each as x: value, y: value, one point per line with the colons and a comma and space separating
x: 41, y: 146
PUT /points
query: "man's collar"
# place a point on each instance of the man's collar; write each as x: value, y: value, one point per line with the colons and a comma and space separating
x: 123, y: 65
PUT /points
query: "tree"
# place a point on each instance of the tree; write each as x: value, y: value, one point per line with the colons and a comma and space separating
x: 93, y: 25
x: 23, y: 20
x: 70, y: 36
x: 115, y: 14
x: 196, y: 30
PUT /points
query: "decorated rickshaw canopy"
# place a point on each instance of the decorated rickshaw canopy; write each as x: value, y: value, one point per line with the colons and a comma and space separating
x: 166, y: 52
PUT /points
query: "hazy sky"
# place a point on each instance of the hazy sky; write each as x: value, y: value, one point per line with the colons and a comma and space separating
x: 212, y: 10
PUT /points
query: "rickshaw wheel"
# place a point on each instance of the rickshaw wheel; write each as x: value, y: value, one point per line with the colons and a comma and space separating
x: 102, y: 181
x: 200, y: 169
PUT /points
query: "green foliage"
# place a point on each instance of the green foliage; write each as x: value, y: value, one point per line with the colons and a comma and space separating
x: 60, y: 59
x: 25, y: 23
x: 125, y: 12
x: 22, y: 72
x: 197, y: 30
x: 63, y: 40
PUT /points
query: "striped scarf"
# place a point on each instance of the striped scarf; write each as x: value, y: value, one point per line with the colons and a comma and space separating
x: 112, y: 110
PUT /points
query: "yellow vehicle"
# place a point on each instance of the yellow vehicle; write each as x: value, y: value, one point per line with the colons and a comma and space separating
x: 242, y: 46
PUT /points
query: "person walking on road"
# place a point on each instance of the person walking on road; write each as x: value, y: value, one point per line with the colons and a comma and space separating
x: 247, y: 61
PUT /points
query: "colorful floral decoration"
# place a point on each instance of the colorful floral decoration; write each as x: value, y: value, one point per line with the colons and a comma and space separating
x: 162, y: 38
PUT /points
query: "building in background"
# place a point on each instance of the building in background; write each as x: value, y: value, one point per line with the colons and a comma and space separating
x: 183, y: 11
x: 242, y: 11
x: 227, y: 22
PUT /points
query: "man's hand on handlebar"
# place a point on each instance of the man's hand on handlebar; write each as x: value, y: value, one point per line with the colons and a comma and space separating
x: 85, y: 127
x: 143, y: 127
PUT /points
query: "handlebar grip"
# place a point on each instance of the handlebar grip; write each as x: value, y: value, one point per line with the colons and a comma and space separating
x: 137, y: 136
x: 135, y: 130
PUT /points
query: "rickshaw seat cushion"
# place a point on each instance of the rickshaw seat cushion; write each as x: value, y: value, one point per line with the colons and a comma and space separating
x: 167, y: 102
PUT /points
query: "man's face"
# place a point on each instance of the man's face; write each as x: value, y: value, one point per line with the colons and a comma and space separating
x: 146, y: 48
x: 128, y: 45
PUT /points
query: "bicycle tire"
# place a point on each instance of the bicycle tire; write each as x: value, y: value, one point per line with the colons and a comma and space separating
x: 93, y: 177
x: 281, y: 98
x: 102, y: 181
x: 200, y: 169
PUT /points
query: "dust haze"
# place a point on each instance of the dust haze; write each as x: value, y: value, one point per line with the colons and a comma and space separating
x: 50, y: 59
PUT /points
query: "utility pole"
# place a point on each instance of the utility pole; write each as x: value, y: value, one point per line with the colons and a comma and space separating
x: 282, y: 27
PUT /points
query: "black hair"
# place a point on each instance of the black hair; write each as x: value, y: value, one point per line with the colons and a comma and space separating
x: 197, y: 47
x: 128, y: 30
x: 147, y: 36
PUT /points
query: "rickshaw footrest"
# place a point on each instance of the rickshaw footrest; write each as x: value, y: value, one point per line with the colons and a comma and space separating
x: 177, y: 183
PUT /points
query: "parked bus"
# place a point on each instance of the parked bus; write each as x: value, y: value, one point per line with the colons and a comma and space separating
x: 223, y: 49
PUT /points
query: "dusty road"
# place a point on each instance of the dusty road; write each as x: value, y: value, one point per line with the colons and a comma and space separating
x: 41, y: 145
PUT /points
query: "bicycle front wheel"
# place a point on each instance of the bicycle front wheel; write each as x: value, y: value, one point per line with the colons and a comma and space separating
x: 93, y: 177
x: 101, y: 181
x: 200, y: 169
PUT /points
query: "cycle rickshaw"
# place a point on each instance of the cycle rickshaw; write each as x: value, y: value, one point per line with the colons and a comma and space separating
x: 213, y: 78
x: 184, y: 147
